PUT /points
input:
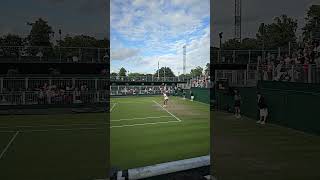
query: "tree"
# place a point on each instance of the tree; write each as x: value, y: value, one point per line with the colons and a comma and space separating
x: 207, y: 69
x: 135, y: 75
x: 165, y: 72
x: 245, y: 44
x: 185, y: 76
x: 13, y: 41
x: 79, y: 41
x: 123, y: 72
x: 311, y: 28
x: 249, y: 43
x: 196, y: 72
x: 103, y: 43
x: 279, y: 33
x: 231, y: 44
x: 41, y: 33
x: 113, y: 75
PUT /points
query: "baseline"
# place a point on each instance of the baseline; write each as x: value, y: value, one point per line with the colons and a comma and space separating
x: 9, y: 144
x: 167, y: 111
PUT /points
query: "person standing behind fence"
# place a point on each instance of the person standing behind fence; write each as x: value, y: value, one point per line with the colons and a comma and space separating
x: 191, y: 96
x: 184, y: 95
x: 263, y: 109
x: 237, y: 103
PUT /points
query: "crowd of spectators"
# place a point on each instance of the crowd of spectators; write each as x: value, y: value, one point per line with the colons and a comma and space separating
x: 291, y: 67
x: 51, y: 94
x: 12, y: 72
x: 201, y: 82
x: 147, y: 78
x: 142, y: 90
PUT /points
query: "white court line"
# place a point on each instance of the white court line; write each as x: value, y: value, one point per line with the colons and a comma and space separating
x: 167, y: 111
x: 143, y: 124
x: 114, y: 105
x: 52, y: 125
x: 65, y: 125
x: 194, y: 101
x: 47, y: 130
x: 139, y: 118
x: 132, y: 102
x: 8, y: 145
x: 291, y: 129
x: 7, y: 131
x: 74, y: 129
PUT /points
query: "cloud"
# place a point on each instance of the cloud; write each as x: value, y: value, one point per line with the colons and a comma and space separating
x: 159, y: 29
x: 150, y: 19
x: 123, y: 53
x: 198, y: 52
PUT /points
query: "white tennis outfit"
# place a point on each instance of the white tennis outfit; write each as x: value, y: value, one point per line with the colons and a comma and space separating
x: 165, y: 97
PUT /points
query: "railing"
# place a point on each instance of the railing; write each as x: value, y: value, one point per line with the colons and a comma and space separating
x: 147, y: 79
x: 53, y: 54
x: 305, y: 73
x: 9, y: 84
x: 53, y: 97
x: 140, y: 90
x: 244, y: 56
x: 200, y: 82
x: 309, y: 73
x: 60, y: 96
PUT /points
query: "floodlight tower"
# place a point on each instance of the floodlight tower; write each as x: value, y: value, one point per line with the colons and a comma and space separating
x: 237, y: 20
x: 184, y: 59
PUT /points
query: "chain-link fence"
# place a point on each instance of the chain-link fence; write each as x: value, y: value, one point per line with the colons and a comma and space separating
x: 53, y: 97
x: 53, y: 54
x: 146, y: 79
x: 304, y: 73
x: 244, y: 56
x: 13, y: 84
x: 141, y: 90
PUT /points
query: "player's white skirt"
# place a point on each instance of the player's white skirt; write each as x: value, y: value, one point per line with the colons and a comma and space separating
x: 264, y: 112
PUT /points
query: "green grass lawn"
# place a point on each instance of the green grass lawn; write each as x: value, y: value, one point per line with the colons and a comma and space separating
x: 252, y: 151
x: 74, y: 146
x: 144, y: 133
x: 63, y: 147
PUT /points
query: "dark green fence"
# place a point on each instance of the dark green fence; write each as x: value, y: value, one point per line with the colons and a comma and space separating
x: 294, y: 105
x: 200, y: 94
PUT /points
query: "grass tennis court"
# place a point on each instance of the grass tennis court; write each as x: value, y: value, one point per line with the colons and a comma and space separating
x: 64, y: 147
x: 251, y: 151
x: 144, y: 133
x: 74, y: 146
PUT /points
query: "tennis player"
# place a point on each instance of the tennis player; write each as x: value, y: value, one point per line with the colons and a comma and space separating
x: 166, y: 99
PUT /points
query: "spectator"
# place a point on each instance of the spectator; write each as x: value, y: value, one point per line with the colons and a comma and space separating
x: 237, y: 103
x: 263, y: 109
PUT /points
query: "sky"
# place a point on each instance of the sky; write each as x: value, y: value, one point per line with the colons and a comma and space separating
x: 144, y: 32
x: 254, y: 12
x: 74, y: 17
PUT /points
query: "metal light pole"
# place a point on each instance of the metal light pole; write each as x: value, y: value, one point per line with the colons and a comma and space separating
x: 158, y: 71
x: 263, y: 42
x: 60, y: 44
x: 220, y: 46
